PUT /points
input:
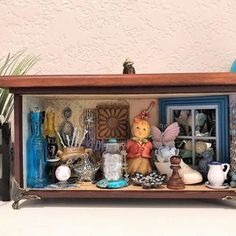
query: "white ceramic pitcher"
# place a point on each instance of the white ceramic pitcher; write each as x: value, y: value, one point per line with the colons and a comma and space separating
x: 216, y: 174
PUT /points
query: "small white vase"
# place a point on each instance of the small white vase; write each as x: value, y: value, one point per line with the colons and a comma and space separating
x: 216, y: 174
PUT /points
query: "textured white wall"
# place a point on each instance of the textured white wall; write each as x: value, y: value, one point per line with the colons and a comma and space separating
x: 91, y: 36
x: 96, y: 36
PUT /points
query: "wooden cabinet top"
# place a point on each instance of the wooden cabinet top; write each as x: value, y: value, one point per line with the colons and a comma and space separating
x: 181, y: 82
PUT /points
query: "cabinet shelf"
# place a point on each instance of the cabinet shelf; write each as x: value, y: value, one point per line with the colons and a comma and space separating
x: 89, y: 190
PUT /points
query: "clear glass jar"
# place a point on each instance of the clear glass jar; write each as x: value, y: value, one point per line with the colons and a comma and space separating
x: 112, y: 161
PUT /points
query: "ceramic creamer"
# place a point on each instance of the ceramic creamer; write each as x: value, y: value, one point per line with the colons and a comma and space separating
x: 217, y: 173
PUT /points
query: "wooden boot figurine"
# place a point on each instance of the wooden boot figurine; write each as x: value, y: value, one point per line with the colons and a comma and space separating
x: 175, y: 181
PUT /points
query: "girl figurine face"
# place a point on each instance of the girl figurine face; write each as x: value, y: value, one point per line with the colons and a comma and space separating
x: 140, y: 128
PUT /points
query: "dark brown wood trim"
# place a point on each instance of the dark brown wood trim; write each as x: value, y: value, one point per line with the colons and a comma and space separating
x: 137, y: 80
x: 131, y: 194
x: 18, y: 162
x: 126, y: 90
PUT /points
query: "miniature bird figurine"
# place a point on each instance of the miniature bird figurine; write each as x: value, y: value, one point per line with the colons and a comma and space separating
x: 128, y: 67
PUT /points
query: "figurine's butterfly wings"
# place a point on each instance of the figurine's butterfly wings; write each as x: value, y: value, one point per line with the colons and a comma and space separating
x: 167, y: 137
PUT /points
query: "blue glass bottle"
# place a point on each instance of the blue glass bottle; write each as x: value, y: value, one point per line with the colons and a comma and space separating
x: 36, y: 153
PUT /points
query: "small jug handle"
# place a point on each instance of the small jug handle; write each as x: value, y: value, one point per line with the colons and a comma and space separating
x: 226, y: 170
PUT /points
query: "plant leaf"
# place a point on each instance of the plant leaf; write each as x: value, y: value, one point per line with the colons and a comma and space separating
x: 3, y: 67
x: 16, y: 64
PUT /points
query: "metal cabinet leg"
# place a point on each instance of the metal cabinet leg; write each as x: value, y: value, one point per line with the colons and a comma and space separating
x: 231, y: 198
x: 20, y: 194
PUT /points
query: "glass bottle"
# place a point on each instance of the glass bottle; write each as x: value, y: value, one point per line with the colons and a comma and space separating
x: 49, y: 129
x: 36, y: 153
x: 112, y: 161
x: 51, y: 135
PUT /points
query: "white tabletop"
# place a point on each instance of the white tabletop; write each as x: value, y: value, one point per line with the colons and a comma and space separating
x: 118, y: 217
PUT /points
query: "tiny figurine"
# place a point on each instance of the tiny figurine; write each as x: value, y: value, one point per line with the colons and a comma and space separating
x: 51, y: 171
x: 52, y: 148
x: 164, y: 141
x: 200, y: 146
x: 128, y: 67
x: 203, y: 164
x: 139, y: 148
x: 165, y: 149
x: 175, y: 181
x: 164, y: 153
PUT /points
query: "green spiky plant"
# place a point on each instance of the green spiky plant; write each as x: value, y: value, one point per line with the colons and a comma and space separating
x: 15, y: 64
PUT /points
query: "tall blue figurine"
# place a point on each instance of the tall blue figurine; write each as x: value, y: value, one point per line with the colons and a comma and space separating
x: 36, y: 153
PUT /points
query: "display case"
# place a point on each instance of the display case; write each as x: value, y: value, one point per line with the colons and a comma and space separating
x: 83, y: 93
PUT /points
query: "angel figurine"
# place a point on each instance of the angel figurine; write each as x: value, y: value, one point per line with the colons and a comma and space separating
x: 139, y: 147
x: 164, y: 142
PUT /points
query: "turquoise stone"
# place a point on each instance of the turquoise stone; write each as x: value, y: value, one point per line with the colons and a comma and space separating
x: 112, y: 184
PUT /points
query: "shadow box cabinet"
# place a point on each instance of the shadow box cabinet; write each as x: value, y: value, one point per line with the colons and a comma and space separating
x: 201, y: 95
